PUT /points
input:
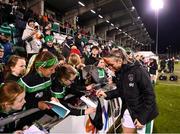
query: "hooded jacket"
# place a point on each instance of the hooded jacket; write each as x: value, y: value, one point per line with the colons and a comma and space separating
x: 136, y: 91
x: 32, y: 45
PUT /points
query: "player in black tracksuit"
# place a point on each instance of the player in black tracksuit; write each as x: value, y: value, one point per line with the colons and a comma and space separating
x: 136, y: 92
x: 135, y: 89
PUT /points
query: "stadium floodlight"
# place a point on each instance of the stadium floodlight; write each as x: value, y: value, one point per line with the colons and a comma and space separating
x: 100, y: 16
x: 112, y: 24
x: 157, y: 5
x: 80, y: 3
x: 93, y: 11
x: 107, y: 21
x: 132, y: 8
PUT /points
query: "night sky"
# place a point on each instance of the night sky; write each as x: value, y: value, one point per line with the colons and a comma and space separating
x: 169, y: 24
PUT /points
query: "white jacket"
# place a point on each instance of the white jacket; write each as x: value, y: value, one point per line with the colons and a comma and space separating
x: 32, y: 44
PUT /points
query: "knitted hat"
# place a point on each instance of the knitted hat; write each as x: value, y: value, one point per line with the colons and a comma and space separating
x: 76, y: 51
x: 49, y: 38
x: 5, y: 30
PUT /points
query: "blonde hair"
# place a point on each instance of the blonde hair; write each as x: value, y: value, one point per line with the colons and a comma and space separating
x: 74, y: 59
x: 73, y: 47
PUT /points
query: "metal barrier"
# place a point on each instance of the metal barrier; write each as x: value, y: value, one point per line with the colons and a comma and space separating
x: 17, y: 116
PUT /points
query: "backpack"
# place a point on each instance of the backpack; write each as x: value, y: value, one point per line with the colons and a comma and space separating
x: 162, y: 77
x: 173, y: 77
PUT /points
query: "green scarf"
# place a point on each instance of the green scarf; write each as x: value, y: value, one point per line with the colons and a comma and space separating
x: 101, y: 73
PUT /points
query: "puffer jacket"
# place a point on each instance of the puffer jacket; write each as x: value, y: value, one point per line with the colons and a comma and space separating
x: 32, y: 44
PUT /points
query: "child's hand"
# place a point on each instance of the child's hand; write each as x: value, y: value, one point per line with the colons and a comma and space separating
x: 43, y: 106
x: 54, y: 99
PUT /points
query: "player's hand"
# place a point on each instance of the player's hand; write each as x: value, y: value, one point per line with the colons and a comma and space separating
x: 100, y: 93
x: 138, y: 124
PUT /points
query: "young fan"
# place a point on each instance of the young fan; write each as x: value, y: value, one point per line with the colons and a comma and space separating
x: 12, y: 99
x: 63, y: 85
x: 15, y: 68
x: 38, y: 81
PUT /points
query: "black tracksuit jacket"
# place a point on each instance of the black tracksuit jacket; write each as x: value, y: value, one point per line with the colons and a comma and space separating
x: 136, y: 91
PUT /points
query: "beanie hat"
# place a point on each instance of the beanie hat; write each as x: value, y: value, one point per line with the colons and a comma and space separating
x: 5, y: 30
x: 76, y: 51
x: 49, y: 38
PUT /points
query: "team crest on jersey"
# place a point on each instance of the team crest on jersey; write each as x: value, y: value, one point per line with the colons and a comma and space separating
x: 130, y: 77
